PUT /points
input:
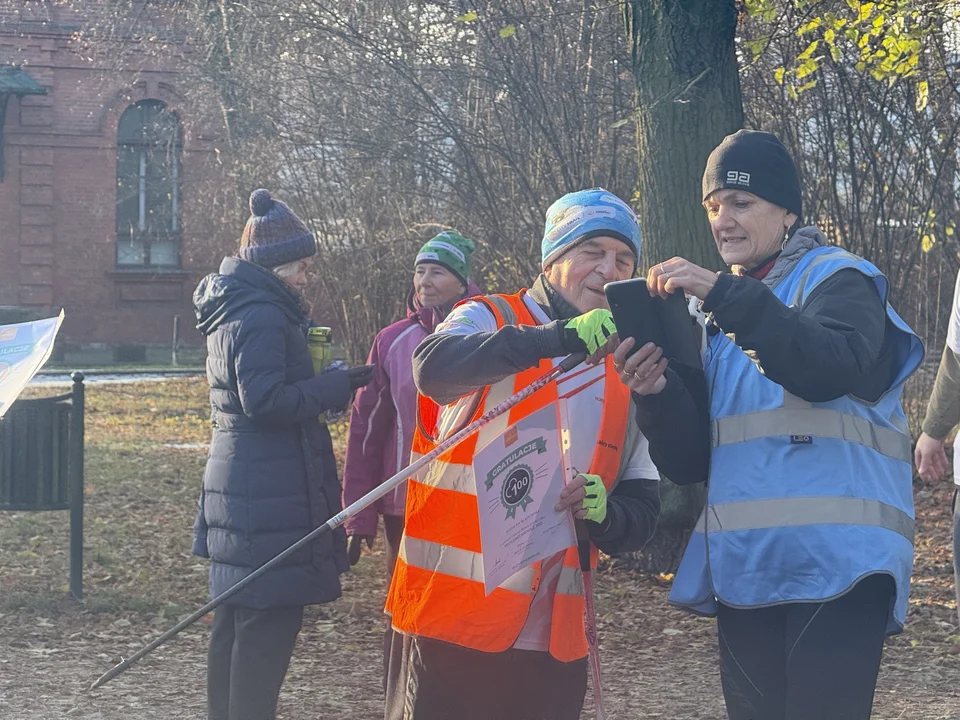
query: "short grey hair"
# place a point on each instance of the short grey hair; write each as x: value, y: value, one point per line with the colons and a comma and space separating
x: 287, y: 269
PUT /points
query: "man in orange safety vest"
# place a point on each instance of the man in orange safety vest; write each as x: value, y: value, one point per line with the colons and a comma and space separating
x: 520, y: 652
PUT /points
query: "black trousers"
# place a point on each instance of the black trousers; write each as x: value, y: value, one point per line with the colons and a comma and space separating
x: 392, y: 533
x: 247, y: 660
x: 805, y: 661
x: 433, y: 680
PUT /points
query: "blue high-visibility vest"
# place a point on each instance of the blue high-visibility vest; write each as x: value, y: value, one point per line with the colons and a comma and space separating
x: 804, y: 498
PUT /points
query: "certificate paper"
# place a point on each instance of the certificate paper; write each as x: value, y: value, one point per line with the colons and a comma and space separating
x: 519, y: 478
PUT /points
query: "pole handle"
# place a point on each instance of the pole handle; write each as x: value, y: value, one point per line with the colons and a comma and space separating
x: 583, y: 544
x: 571, y: 361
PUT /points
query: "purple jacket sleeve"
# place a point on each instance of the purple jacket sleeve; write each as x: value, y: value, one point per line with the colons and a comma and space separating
x: 371, y: 421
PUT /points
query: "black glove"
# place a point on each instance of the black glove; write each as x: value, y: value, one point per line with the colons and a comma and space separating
x: 335, y: 389
x: 354, y: 543
x: 360, y: 375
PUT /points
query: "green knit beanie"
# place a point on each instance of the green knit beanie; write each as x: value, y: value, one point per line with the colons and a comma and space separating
x: 451, y: 250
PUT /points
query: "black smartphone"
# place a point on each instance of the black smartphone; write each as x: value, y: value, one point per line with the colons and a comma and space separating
x: 664, y: 322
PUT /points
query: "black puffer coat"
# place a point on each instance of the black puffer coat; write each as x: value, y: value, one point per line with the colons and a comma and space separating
x: 271, y: 475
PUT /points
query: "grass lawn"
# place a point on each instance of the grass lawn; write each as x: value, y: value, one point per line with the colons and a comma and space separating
x: 146, y: 446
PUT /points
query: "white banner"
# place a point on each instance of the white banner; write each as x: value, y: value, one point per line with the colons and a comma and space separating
x: 24, y: 348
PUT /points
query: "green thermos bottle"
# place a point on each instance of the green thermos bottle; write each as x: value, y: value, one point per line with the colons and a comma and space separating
x: 320, y: 345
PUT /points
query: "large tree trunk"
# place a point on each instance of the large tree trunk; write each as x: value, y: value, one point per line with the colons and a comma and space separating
x: 688, y: 99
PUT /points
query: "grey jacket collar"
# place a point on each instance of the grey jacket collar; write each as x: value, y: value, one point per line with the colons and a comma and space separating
x: 799, y: 244
x: 549, y: 300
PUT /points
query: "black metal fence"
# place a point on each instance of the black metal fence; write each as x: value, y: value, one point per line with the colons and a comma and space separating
x: 41, y: 463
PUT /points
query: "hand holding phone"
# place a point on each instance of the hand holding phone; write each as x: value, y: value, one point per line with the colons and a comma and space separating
x: 641, y: 371
x: 665, y: 322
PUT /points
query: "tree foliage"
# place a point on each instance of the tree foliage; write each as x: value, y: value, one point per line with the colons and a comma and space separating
x: 885, y: 39
x: 874, y: 127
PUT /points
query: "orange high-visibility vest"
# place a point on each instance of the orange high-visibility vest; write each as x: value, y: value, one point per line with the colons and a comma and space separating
x: 437, y: 588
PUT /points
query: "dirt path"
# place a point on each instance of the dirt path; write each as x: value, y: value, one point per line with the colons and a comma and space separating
x: 143, y: 470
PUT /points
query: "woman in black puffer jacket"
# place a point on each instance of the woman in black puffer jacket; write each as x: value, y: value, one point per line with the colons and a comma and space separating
x: 271, y: 475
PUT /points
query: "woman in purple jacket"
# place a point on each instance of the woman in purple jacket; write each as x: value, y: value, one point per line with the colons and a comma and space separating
x: 384, y: 413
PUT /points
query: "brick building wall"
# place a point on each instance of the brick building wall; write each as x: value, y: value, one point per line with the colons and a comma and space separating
x: 58, y: 196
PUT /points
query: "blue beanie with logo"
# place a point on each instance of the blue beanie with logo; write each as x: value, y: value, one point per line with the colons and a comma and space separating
x: 586, y: 214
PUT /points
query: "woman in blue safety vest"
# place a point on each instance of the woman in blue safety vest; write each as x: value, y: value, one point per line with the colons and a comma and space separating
x: 804, y: 550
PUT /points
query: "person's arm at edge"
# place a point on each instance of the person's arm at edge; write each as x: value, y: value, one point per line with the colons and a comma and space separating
x: 943, y: 408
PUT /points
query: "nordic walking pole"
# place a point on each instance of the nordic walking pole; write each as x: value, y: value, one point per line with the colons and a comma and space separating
x: 590, y: 617
x: 583, y: 552
x: 567, y: 364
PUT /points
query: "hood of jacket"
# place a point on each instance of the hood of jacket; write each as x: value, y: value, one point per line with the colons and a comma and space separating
x: 237, y: 285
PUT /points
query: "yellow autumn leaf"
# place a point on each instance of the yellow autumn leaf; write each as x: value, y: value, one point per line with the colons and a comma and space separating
x: 808, y: 53
x: 926, y: 243
x: 923, y: 95
x: 809, y: 27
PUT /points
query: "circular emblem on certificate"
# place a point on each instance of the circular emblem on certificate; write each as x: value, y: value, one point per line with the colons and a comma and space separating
x: 515, y: 491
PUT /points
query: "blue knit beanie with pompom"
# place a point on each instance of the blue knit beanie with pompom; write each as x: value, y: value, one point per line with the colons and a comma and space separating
x: 274, y: 235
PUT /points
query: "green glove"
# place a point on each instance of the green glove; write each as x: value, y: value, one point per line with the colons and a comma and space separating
x: 588, y: 332
x: 595, y: 501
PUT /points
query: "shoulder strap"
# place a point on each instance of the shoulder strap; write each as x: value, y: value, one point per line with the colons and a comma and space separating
x: 831, y: 253
x: 508, y: 309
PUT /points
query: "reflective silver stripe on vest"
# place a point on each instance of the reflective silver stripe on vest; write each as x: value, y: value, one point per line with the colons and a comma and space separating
x: 900, y: 424
x: 448, y: 476
x: 505, y: 309
x: 571, y: 581
x: 458, y: 563
x: 813, y: 422
x: 793, y: 512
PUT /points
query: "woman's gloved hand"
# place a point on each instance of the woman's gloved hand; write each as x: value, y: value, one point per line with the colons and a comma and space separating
x: 354, y: 544
x: 360, y: 375
x: 588, y: 332
x: 338, y: 382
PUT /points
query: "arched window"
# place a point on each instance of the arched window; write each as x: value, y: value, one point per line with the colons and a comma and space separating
x: 149, y: 145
